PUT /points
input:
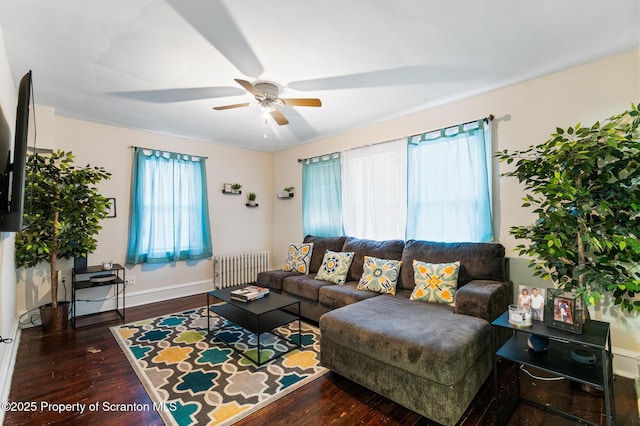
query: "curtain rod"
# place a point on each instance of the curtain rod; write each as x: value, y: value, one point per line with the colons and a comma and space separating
x: 170, y: 152
x: 486, y: 119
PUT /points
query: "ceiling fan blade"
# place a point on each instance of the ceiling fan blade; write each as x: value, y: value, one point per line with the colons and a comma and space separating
x: 415, y: 74
x: 165, y: 96
x: 249, y: 87
x: 309, y: 102
x: 279, y: 117
x: 213, y: 20
x: 223, y: 107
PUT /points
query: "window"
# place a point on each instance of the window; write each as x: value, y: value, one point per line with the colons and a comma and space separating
x: 437, y: 187
x: 449, y: 185
x: 374, y: 191
x: 322, y: 197
x: 169, y: 217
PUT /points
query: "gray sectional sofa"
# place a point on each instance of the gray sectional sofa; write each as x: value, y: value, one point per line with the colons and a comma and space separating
x: 431, y: 358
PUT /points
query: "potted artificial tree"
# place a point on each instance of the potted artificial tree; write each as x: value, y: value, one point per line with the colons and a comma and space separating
x: 63, y: 210
x: 584, y: 186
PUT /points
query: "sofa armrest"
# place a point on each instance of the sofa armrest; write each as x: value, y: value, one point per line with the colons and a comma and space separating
x: 484, y: 299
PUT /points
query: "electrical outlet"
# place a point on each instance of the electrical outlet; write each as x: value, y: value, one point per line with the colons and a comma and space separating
x: 131, y: 279
x: 63, y: 278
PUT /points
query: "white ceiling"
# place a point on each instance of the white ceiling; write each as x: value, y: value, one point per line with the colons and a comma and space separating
x: 162, y: 65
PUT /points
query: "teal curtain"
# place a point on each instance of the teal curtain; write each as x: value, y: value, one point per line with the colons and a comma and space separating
x: 169, y: 216
x: 449, y: 185
x: 322, y: 197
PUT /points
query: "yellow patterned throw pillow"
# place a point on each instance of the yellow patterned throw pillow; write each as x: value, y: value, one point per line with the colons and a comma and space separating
x: 335, y: 265
x: 435, y: 282
x: 298, y: 258
x: 380, y: 275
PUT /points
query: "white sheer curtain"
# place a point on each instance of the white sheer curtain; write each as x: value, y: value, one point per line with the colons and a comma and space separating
x: 374, y: 191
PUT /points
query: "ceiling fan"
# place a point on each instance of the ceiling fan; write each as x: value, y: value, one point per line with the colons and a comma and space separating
x: 267, y: 96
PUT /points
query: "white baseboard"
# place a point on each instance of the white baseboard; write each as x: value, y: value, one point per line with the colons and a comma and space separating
x: 625, y: 363
x: 143, y: 297
x: 8, y: 352
x: 167, y: 293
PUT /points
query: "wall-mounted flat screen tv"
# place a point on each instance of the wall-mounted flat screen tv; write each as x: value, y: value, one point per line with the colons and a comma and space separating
x: 13, y: 159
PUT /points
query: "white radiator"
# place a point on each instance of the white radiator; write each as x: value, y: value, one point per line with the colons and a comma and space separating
x: 240, y: 268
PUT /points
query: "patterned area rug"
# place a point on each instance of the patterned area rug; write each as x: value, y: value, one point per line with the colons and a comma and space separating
x: 194, y: 379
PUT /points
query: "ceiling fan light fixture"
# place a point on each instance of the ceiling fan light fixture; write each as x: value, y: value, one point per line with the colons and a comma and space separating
x: 266, y: 94
x: 266, y: 106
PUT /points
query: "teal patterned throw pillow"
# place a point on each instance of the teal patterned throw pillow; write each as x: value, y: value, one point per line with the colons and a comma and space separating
x: 298, y: 258
x: 335, y: 265
x: 380, y: 275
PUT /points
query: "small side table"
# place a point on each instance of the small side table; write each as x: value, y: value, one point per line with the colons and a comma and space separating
x: 557, y: 360
x: 81, y: 280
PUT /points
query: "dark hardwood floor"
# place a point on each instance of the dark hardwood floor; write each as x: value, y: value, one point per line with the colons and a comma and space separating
x: 87, y: 366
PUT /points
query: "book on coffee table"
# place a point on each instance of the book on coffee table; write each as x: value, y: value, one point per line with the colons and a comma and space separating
x: 249, y: 293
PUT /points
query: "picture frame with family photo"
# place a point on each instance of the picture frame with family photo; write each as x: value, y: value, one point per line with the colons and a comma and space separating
x: 564, y: 310
x: 533, y: 299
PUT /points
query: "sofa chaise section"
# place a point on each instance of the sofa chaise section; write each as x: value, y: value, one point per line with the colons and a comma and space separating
x: 423, y: 356
x: 431, y: 358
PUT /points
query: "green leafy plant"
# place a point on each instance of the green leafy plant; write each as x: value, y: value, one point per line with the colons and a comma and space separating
x: 236, y: 186
x: 289, y: 188
x: 63, y: 210
x: 584, y: 186
x: 252, y: 196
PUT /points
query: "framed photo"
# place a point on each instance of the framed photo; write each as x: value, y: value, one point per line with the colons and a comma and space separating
x: 563, y: 310
x: 111, y: 211
x: 227, y: 187
x: 533, y: 299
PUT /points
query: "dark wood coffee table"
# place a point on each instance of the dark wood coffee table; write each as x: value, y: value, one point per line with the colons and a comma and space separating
x: 259, y: 316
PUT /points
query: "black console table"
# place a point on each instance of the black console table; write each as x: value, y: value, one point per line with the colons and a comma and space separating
x: 81, y: 279
x: 556, y: 360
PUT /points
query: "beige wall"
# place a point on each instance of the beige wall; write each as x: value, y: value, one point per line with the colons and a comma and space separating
x: 235, y: 228
x: 525, y: 114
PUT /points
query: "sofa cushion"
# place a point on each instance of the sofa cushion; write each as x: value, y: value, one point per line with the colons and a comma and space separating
x: 298, y: 258
x: 335, y: 266
x: 320, y: 245
x: 336, y: 296
x: 273, y: 279
x: 435, y: 282
x: 478, y: 261
x: 380, y: 275
x: 390, y: 249
x: 303, y: 286
x: 424, y: 339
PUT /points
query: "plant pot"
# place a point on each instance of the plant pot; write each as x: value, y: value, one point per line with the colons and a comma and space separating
x: 54, y: 319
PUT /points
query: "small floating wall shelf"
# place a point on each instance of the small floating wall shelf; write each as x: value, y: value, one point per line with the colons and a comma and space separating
x: 284, y: 195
